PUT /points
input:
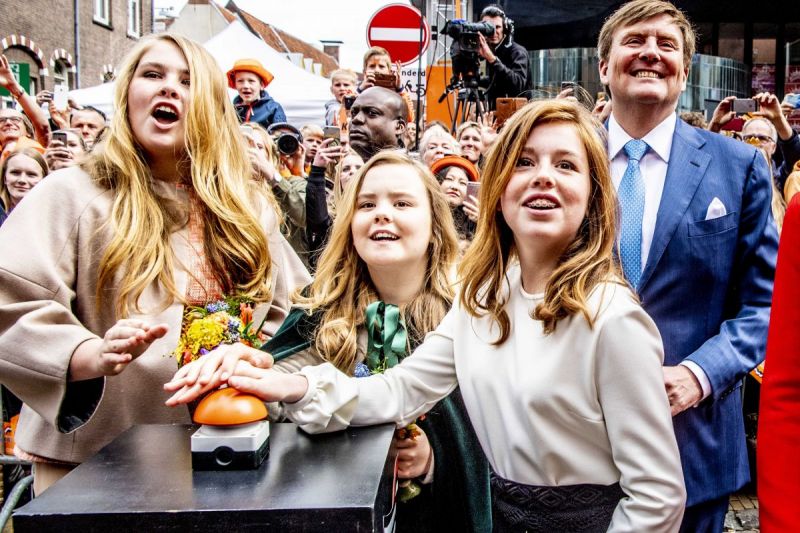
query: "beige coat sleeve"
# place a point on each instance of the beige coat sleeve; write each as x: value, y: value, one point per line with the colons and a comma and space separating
x: 41, y: 245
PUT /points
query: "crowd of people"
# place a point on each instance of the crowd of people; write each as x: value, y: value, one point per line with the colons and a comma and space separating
x: 562, y: 306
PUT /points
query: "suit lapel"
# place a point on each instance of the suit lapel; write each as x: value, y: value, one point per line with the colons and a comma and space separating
x: 687, y: 166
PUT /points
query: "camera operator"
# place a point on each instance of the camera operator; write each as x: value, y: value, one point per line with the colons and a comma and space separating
x: 507, y: 69
x: 289, y: 185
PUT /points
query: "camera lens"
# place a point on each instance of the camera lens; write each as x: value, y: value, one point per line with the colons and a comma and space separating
x: 287, y: 144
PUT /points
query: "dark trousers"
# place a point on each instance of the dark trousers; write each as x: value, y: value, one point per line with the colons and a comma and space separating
x: 706, y: 517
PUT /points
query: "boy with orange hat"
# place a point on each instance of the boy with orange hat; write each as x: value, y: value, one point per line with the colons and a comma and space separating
x: 254, y: 104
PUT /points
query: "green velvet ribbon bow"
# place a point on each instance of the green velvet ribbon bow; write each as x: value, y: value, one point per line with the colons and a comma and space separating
x: 387, y: 340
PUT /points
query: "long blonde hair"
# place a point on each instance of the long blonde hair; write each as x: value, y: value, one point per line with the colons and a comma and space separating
x: 234, y: 240
x: 343, y: 289
x: 587, y: 261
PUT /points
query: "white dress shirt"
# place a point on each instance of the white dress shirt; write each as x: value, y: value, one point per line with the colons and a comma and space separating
x: 653, y: 166
x: 575, y: 406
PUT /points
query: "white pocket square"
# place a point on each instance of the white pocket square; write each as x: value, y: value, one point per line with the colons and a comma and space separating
x: 716, y: 209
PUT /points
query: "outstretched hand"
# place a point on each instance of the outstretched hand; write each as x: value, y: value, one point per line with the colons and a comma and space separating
x: 268, y: 384
x: 7, y: 79
x: 567, y: 94
x: 398, y: 80
x: 488, y: 123
x: 330, y: 151
x: 723, y: 114
x: 770, y: 108
x: 295, y: 162
x: 43, y: 97
x: 59, y: 116
x: 212, y: 370
x: 123, y: 342
x: 368, y: 81
x: 58, y: 156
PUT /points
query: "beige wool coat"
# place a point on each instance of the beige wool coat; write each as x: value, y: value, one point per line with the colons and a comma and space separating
x: 50, y: 250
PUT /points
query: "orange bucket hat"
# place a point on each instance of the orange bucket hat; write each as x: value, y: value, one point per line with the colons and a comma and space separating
x: 456, y: 161
x: 249, y: 65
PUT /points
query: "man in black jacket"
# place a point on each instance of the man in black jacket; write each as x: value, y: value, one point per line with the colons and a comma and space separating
x: 378, y: 122
x: 507, y: 69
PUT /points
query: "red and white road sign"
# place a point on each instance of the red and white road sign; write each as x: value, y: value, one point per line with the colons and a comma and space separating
x: 396, y: 27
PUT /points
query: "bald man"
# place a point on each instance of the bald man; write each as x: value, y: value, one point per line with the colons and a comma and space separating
x: 377, y: 121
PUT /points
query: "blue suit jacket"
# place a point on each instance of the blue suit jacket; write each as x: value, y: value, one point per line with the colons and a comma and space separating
x: 708, y: 286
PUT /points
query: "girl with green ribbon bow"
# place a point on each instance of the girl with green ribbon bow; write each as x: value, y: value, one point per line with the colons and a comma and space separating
x: 382, y: 283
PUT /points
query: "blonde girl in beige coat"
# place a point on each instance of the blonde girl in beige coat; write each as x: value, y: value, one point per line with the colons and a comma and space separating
x: 99, y: 263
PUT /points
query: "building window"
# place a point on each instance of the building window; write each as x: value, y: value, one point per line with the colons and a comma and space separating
x: 134, y: 18
x: 61, y: 75
x: 731, y: 40
x: 102, y: 11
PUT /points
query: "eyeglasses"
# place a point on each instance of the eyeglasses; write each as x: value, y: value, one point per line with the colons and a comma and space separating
x: 14, y: 120
x: 757, y: 139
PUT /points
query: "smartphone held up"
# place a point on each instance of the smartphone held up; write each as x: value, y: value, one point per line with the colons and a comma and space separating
x: 59, y: 137
x: 333, y: 132
x: 742, y: 106
x: 473, y: 189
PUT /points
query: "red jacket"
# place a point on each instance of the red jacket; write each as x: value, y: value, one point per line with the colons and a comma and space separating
x: 779, y: 419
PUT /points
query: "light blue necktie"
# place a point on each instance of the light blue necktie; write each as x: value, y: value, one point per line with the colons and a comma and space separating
x: 631, y: 201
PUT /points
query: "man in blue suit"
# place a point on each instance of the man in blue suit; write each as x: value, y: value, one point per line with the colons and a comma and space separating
x: 697, y: 242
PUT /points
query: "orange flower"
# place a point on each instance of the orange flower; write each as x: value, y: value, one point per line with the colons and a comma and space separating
x: 245, y: 313
x: 187, y: 357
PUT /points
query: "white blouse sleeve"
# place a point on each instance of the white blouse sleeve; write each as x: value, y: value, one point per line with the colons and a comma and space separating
x: 335, y: 401
x: 631, y: 391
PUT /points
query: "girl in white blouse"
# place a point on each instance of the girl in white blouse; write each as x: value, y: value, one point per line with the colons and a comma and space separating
x: 558, y: 365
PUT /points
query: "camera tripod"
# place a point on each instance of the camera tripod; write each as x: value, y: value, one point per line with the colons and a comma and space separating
x: 469, y: 96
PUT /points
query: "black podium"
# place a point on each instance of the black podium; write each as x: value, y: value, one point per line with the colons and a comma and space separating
x: 143, y: 481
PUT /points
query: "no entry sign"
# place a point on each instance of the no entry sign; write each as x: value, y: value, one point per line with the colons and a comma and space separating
x: 396, y: 27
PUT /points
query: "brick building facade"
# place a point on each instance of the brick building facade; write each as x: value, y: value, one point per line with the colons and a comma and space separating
x: 43, y: 34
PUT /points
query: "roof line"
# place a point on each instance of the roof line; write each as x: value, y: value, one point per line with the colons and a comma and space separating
x: 276, y: 34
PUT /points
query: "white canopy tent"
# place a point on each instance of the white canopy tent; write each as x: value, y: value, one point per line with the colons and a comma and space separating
x: 99, y: 96
x: 301, y: 93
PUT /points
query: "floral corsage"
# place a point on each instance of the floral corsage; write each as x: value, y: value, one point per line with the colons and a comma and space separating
x: 225, y: 321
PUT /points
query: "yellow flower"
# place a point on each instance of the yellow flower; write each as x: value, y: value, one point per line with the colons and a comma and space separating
x: 205, y: 333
